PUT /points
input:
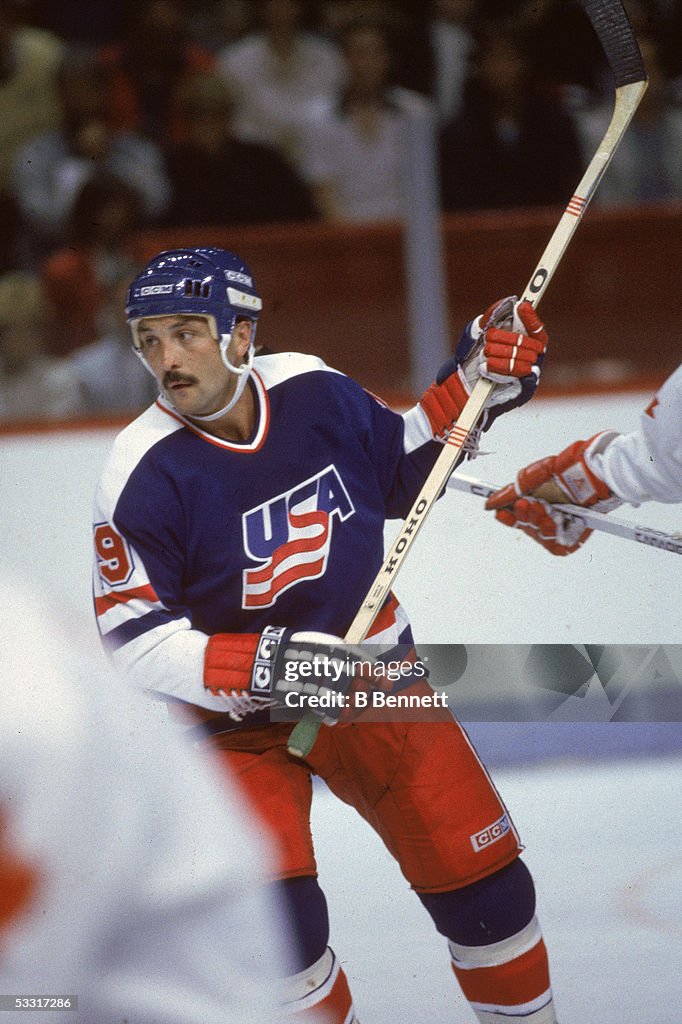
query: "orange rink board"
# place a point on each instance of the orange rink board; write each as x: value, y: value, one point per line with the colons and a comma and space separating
x: 339, y: 291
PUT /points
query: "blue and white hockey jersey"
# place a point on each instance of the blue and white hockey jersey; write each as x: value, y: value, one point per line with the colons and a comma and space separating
x: 195, y: 535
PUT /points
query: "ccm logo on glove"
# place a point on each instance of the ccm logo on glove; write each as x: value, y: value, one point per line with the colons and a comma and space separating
x: 268, y: 642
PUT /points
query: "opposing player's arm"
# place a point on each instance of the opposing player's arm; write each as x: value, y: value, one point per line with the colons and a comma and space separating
x: 601, y: 473
x: 646, y: 464
x: 532, y: 503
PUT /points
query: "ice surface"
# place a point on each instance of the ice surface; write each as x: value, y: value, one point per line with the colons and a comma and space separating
x: 603, y: 843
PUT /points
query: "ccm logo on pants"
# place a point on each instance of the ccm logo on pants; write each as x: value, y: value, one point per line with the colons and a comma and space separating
x: 491, y: 834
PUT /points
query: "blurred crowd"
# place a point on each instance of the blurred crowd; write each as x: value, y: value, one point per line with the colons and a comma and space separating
x: 119, y: 116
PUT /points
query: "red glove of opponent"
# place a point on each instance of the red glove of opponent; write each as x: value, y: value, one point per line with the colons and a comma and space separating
x: 532, y: 503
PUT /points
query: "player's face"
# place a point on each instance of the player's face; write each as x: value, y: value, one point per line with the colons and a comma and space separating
x: 185, y: 357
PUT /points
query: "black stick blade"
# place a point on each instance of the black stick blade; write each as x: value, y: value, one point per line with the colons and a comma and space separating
x: 611, y: 24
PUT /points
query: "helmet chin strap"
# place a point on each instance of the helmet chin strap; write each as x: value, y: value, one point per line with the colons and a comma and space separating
x: 242, y: 373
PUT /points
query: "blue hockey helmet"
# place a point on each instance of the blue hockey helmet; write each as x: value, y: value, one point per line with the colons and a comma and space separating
x: 210, y: 282
x: 206, y: 282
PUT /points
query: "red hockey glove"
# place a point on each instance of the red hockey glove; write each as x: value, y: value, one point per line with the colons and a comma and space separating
x: 314, y: 672
x: 546, y: 524
x: 533, y: 502
x: 506, y: 345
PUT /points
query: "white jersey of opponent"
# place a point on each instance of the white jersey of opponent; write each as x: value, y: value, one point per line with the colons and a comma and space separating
x: 129, y: 876
x: 646, y: 465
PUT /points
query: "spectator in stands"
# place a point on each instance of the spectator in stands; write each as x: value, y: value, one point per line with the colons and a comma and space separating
x: 218, y: 179
x: 148, y: 66
x: 77, y: 278
x: 29, y: 60
x: 51, y: 168
x: 111, y: 378
x: 409, y: 23
x: 33, y: 385
x: 452, y: 42
x: 512, y: 143
x: 647, y: 166
x: 281, y: 77
x: 356, y: 152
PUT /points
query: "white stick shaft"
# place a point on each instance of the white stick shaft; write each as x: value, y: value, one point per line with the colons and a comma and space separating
x: 627, y: 100
x: 586, y: 517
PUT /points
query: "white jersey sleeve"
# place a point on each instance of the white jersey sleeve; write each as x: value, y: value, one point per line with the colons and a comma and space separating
x: 146, y: 895
x: 646, y: 465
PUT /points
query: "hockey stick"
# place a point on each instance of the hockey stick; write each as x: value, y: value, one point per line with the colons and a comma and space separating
x: 611, y: 24
x: 585, y: 517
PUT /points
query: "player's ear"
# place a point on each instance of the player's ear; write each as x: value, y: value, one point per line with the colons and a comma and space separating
x: 242, y: 336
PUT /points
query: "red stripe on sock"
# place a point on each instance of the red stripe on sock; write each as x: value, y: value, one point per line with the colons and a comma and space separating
x: 519, y: 981
x: 335, y: 1008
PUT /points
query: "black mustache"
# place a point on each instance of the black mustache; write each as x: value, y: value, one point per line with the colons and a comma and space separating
x: 173, y: 377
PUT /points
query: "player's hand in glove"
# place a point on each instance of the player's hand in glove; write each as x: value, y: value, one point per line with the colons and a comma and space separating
x: 533, y: 502
x: 253, y: 671
x: 505, y: 345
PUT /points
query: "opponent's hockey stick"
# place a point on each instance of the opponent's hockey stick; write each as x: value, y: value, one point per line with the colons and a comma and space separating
x: 585, y: 517
x: 611, y: 24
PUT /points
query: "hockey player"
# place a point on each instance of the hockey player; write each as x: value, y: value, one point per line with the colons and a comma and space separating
x: 239, y: 523
x: 126, y: 880
x: 601, y: 473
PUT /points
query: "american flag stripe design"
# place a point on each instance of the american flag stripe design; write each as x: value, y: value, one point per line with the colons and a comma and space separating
x: 303, y: 557
x: 302, y: 570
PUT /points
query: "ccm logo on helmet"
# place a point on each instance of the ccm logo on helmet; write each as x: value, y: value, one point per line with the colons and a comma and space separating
x: 236, y: 275
x: 265, y: 656
x: 156, y: 289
